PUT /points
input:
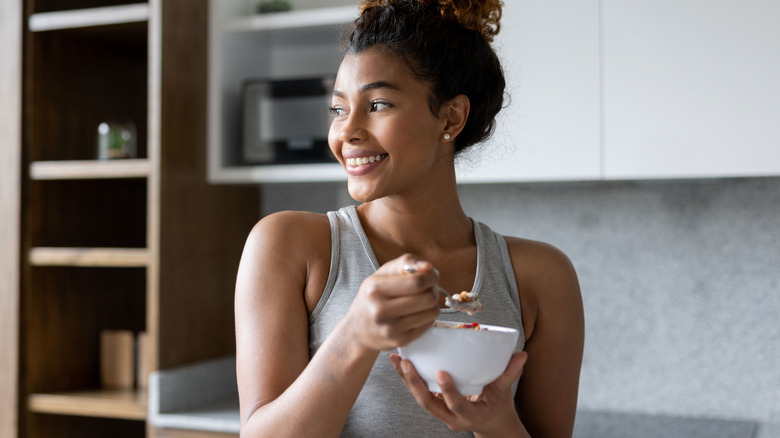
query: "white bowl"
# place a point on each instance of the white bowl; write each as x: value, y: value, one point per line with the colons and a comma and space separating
x: 474, y: 358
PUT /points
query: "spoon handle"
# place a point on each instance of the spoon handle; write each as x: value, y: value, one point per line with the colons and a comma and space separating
x: 440, y: 289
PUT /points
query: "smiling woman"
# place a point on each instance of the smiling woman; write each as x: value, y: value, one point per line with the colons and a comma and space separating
x: 323, y: 301
x: 380, y: 109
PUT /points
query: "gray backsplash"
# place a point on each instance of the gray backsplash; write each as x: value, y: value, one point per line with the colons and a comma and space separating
x: 680, y: 281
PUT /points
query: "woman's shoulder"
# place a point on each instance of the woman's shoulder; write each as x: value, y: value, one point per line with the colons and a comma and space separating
x: 538, y: 259
x: 288, y: 249
x: 546, y: 278
x: 293, y: 218
x: 291, y: 232
x: 290, y: 223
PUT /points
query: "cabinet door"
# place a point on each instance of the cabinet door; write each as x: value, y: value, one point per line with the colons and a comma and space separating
x: 550, y: 129
x: 691, y: 88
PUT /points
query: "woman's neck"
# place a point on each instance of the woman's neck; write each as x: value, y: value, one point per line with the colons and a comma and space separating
x: 420, y: 225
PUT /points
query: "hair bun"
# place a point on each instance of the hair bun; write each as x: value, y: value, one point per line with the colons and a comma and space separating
x: 483, y: 16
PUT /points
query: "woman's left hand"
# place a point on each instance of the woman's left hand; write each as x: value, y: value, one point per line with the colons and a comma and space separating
x: 491, y: 413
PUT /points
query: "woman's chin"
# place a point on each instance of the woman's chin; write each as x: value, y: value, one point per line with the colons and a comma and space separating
x: 361, y: 192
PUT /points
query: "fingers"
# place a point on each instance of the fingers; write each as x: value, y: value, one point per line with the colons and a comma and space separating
x: 455, y: 401
x: 406, y: 264
x: 414, y: 383
x: 404, y: 276
x: 481, y: 412
x: 419, y: 390
x: 396, y: 304
x: 512, y: 372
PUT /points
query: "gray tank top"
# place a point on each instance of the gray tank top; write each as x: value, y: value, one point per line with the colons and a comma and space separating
x: 385, y: 408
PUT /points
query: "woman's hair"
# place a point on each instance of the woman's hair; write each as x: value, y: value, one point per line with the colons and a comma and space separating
x: 446, y: 45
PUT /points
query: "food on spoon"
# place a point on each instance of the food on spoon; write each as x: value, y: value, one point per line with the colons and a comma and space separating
x: 468, y: 302
x: 464, y: 297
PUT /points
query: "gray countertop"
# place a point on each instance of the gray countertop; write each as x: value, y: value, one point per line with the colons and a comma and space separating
x: 202, y: 396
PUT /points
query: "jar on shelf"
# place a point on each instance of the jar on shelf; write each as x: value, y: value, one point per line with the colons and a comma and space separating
x: 116, y: 140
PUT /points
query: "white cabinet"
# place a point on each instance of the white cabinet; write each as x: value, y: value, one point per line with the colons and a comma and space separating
x: 598, y: 89
x: 691, y: 88
x: 244, y: 45
x: 550, y: 129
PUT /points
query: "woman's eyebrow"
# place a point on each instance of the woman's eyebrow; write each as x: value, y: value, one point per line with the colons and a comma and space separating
x: 368, y: 87
x: 379, y: 84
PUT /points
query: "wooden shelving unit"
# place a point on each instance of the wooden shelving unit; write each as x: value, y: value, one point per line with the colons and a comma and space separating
x: 89, y: 17
x: 90, y: 169
x: 90, y: 257
x: 86, y: 64
x: 141, y: 245
x: 121, y: 404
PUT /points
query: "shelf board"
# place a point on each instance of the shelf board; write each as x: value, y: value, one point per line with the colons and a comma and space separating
x: 79, y: 18
x: 90, y: 169
x: 90, y: 257
x: 123, y: 404
x: 332, y: 16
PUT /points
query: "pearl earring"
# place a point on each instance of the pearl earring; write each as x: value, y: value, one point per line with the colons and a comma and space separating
x: 446, y: 136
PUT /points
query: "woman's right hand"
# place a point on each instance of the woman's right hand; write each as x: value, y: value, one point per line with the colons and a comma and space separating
x: 395, y: 305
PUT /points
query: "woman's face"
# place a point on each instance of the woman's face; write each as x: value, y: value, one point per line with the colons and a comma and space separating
x: 383, y: 131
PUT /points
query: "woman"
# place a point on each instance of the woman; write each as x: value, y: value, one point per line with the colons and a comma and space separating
x: 419, y: 83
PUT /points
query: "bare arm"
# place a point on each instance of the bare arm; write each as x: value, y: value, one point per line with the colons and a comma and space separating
x: 272, y: 337
x: 546, y: 396
x: 281, y: 392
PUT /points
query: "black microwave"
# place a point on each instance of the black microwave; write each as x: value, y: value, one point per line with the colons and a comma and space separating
x: 287, y: 121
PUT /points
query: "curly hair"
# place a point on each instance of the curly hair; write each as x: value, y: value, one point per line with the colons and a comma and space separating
x: 481, y: 16
x: 446, y: 45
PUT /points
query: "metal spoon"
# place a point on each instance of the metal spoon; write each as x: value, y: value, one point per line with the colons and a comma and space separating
x: 470, y: 307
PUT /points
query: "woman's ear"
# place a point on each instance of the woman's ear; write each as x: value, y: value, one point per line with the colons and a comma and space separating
x: 455, y: 113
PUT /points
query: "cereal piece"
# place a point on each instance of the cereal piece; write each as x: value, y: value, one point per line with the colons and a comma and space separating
x: 464, y: 297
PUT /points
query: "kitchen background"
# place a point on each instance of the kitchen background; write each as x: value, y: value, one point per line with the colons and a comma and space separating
x: 680, y: 283
x: 622, y: 121
x: 642, y: 138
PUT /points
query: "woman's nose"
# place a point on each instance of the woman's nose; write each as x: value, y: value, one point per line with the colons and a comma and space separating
x: 352, y: 131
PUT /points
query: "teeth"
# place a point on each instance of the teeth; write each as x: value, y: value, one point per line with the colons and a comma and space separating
x: 355, y: 162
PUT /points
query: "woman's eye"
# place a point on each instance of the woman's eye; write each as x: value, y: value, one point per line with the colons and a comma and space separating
x: 379, y: 106
x: 336, y: 111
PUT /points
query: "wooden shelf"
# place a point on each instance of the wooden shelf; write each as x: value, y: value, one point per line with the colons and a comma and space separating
x: 90, y: 169
x: 90, y: 257
x: 79, y: 18
x: 123, y: 404
x: 101, y: 244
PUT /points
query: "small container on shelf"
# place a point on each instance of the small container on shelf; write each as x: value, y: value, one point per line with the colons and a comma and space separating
x: 266, y: 6
x: 116, y: 140
x: 117, y: 359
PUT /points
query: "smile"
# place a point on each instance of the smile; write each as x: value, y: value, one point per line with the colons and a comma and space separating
x: 357, y: 162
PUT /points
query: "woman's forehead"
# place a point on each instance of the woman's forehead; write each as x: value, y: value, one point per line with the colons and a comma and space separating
x: 361, y: 70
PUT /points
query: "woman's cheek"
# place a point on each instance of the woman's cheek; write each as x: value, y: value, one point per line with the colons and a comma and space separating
x: 333, y: 141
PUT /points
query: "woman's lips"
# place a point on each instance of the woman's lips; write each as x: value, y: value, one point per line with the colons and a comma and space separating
x: 362, y: 165
x: 360, y: 161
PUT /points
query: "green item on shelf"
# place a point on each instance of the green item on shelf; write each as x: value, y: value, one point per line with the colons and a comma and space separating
x: 273, y: 6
